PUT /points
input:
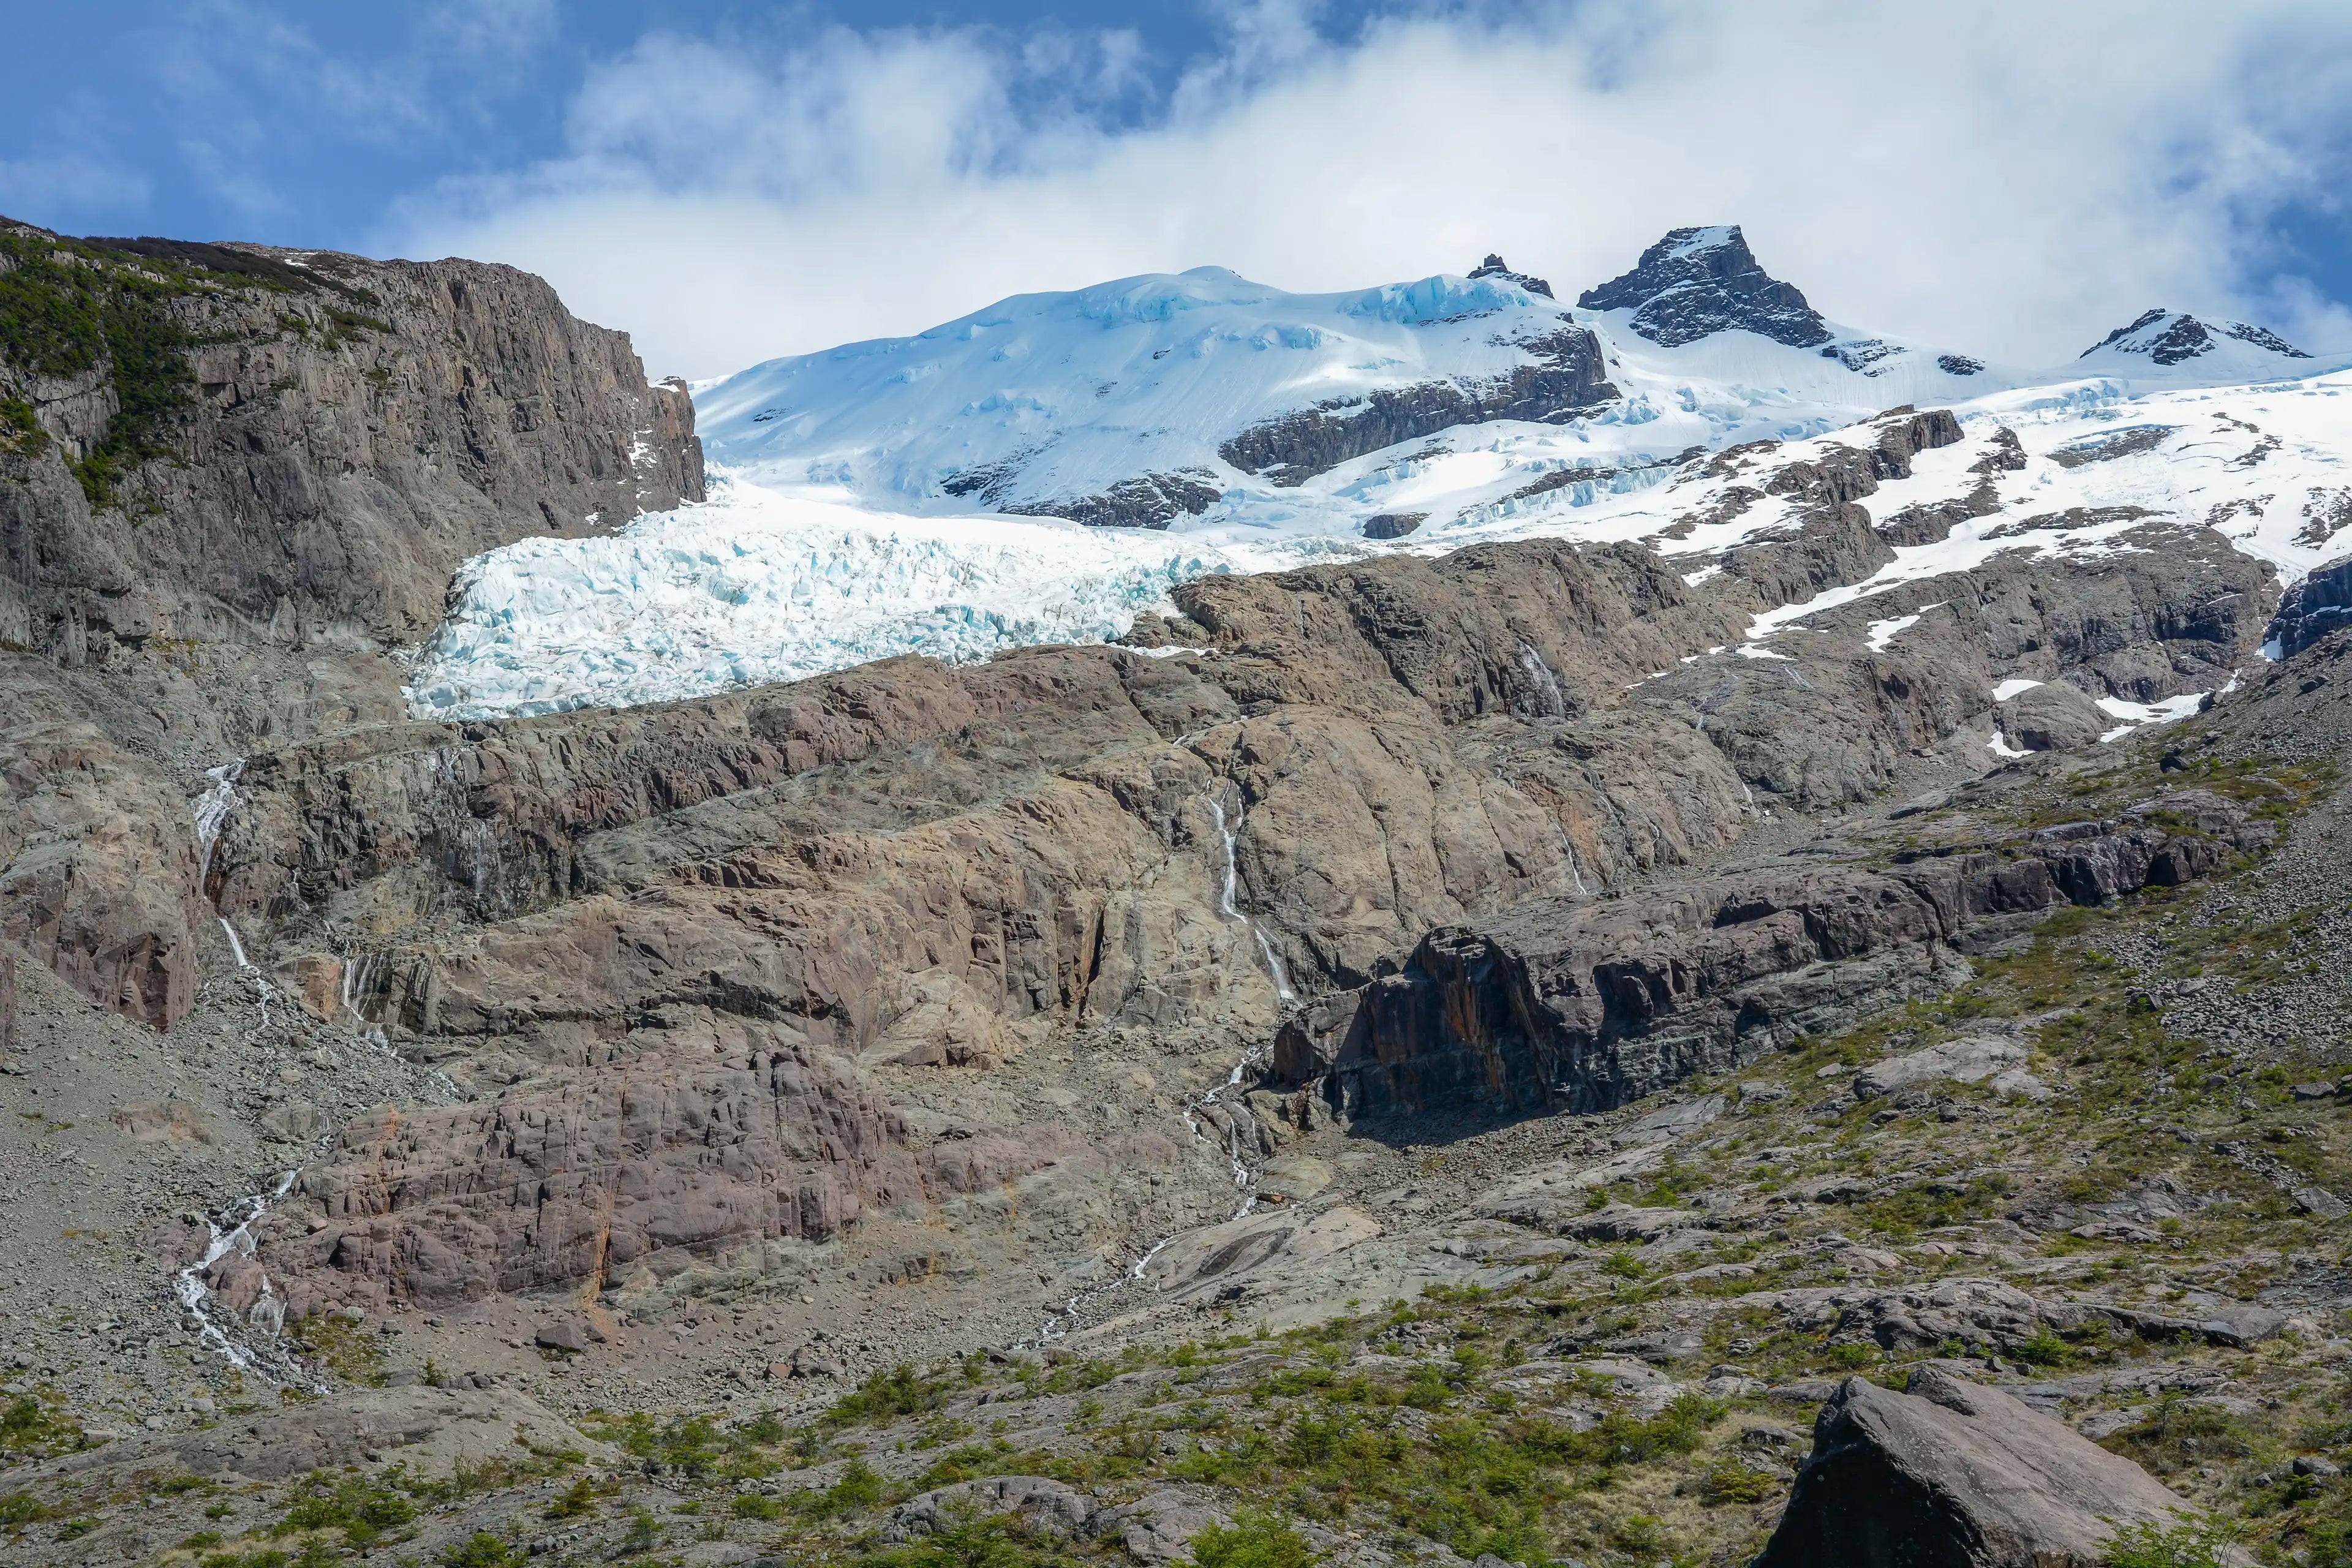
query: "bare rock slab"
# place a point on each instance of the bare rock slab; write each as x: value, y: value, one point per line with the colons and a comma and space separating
x: 1952, y: 1473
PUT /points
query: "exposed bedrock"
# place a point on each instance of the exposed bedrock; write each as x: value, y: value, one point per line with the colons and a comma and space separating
x: 319, y: 445
x: 346, y: 440
x: 1582, y: 1007
x: 1565, y: 374
x: 2313, y: 608
x: 719, y: 1133
x: 1148, y: 500
x: 1698, y: 282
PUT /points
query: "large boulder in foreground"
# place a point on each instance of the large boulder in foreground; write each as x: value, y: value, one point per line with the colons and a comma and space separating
x: 1952, y: 1475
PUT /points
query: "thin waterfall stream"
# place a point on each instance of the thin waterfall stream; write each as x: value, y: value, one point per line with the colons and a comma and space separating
x: 1244, y: 1176
x: 250, y: 1344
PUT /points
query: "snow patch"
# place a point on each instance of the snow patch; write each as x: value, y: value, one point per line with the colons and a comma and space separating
x: 1882, y: 632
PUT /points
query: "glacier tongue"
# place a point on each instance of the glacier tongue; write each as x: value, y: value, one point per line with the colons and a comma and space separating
x: 758, y: 586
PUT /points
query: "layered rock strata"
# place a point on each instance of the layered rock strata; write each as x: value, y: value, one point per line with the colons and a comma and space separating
x: 1584, y: 1007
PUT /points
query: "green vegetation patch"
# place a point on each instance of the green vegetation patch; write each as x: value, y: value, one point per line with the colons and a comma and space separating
x: 63, y: 311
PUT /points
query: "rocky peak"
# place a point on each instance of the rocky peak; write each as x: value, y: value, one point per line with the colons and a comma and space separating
x: 2174, y: 337
x: 1698, y: 282
x: 1493, y: 267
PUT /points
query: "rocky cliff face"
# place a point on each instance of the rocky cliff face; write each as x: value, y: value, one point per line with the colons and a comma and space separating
x: 237, y: 479
x: 344, y: 433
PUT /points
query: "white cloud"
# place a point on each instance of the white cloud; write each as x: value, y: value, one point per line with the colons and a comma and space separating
x: 2009, y: 179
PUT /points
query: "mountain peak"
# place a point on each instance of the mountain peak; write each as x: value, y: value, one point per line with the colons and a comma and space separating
x: 1698, y: 282
x: 2174, y: 337
x: 1492, y: 268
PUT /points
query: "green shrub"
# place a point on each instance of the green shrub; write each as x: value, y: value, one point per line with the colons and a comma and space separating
x: 2199, y: 1545
x: 20, y: 428
x: 1254, y: 1539
x: 886, y: 1395
x: 483, y: 1549
x: 362, y: 1508
x: 1730, y: 1481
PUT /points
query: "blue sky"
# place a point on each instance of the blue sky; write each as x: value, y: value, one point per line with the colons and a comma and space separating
x: 731, y: 181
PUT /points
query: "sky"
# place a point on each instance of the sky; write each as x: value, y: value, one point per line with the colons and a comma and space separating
x: 730, y: 181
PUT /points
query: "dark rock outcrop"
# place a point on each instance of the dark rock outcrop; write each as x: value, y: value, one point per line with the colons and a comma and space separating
x: 1492, y: 268
x: 1149, y: 501
x: 1958, y: 1476
x: 1582, y: 1007
x: 1564, y: 374
x: 1698, y: 282
x: 2313, y: 608
x: 2171, y: 337
x: 1393, y: 524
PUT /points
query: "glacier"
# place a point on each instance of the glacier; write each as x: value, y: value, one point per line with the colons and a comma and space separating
x: 757, y: 585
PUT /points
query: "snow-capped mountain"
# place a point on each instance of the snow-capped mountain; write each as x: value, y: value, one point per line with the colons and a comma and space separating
x: 1154, y: 400
x: 1043, y: 469
x: 2161, y: 341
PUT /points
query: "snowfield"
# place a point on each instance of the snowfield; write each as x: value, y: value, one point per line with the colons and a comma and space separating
x: 829, y: 539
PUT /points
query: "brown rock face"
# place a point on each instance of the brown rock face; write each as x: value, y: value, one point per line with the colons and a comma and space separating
x: 1951, y: 1473
x: 588, y: 1176
x: 86, y: 884
x: 344, y: 434
x: 1582, y: 1008
x: 344, y: 445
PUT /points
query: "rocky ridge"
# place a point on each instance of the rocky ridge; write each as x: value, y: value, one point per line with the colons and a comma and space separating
x: 1695, y: 282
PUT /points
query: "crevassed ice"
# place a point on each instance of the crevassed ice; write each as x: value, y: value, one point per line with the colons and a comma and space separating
x: 756, y: 587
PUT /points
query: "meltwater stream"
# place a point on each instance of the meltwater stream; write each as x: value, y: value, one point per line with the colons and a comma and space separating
x: 1245, y: 1178
x: 250, y: 1344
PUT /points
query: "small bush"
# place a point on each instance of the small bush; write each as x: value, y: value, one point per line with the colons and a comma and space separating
x: 1254, y: 1539
x: 2176, y: 1546
x: 1730, y: 1481
x: 483, y: 1549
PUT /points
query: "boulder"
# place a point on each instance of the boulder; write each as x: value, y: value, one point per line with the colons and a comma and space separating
x: 567, y: 1336
x: 1046, y: 1506
x: 1953, y: 1474
x: 2052, y: 716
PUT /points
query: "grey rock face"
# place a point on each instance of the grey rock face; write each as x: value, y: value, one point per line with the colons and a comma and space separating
x: 1149, y: 500
x: 1698, y: 282
x: 1394, y: 524
x: 2313, y: 607
x: 343, y: 449
x: 1953, y: 1474
x: 1582, y: 1007
x: 1564, y: 373
x: 1971, y: 1059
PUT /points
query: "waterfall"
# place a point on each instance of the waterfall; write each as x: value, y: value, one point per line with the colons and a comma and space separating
x: 1228, y: 906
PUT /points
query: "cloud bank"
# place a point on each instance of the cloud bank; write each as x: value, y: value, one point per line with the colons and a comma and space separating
x: 2012, y: 180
